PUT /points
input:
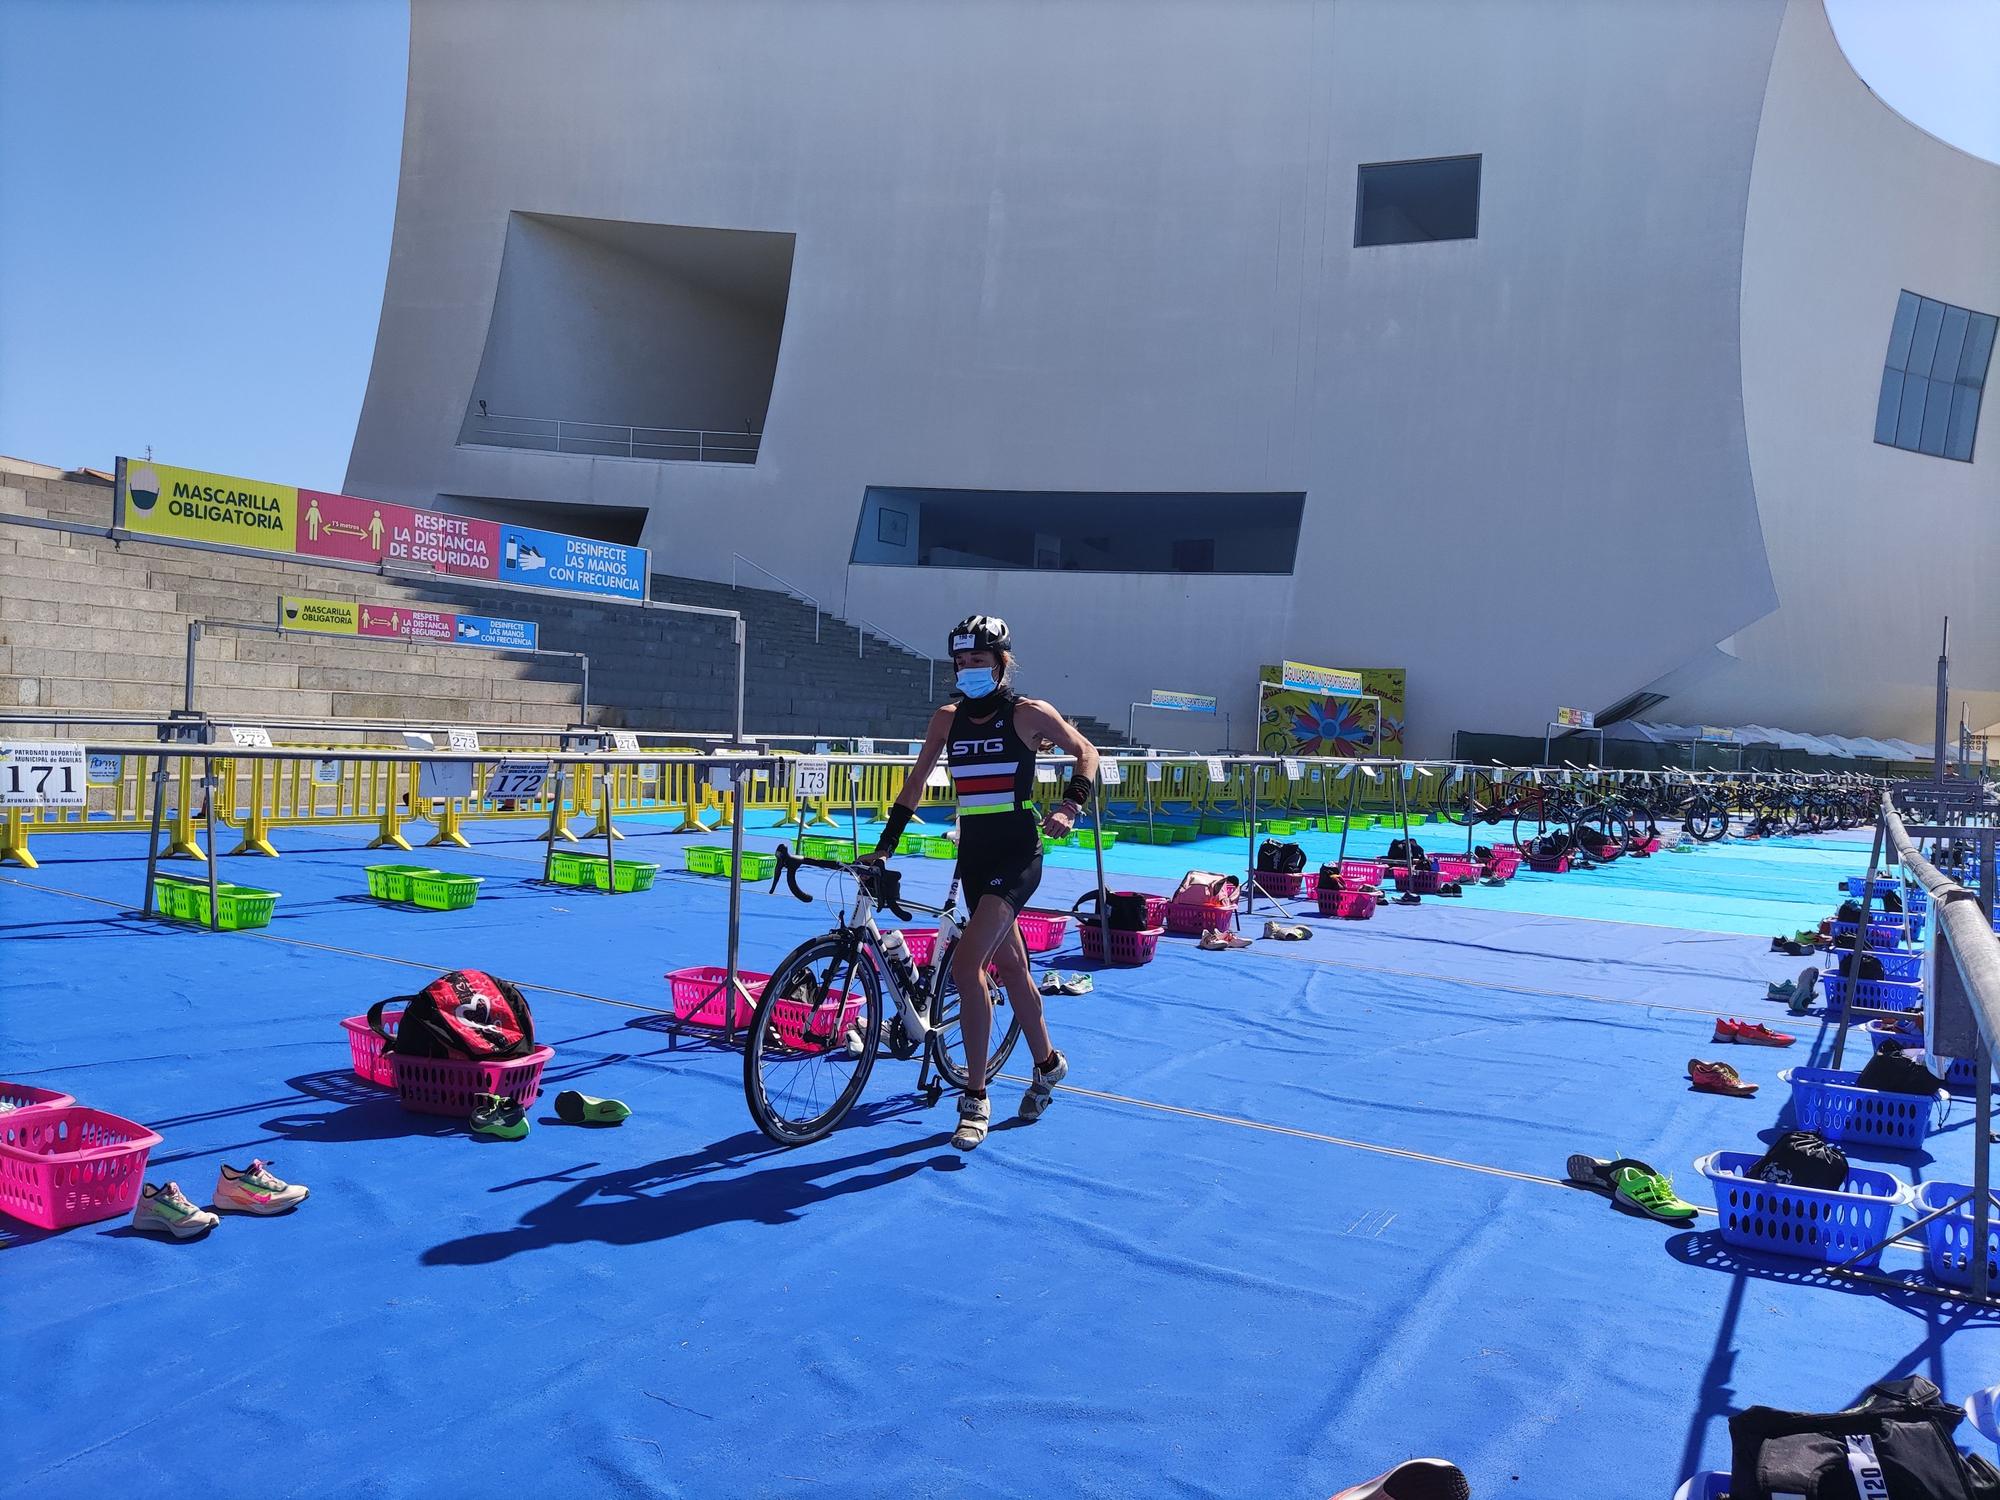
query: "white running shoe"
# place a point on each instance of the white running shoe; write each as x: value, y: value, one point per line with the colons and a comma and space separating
x: 1418, y: 1479
x: 974, y: 1116
x: 253, y: 1190
x: 1041, y: 1092
x: 166, y: 1210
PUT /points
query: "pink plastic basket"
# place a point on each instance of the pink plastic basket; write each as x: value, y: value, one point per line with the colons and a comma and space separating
x: 371, y: 1065
x: 1043, y: 931
x: 789, y: 1019
x: 1193, y: 918
x: 1304, y: 885
x: 1557, y: 864
x: 1355, y: 872
x: 1423, y: 882
x: 1355, y: 906
x: 25, y: 1096
x: 69, y: 1165
x: 1156, y: 906
x: 445, y: 1085
x: 1128, y: 949
x: 1455, y: 866
x: 922, y: 942
x: 698, y: 994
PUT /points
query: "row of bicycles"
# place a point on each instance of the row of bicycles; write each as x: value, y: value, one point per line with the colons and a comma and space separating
x: 1596, y: 807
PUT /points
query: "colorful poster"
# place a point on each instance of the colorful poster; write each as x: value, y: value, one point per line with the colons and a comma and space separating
x: 1311, y: 679
x: 190, y: 505
x: 508, y: 635
x: 409, y: 624
x: 193, y: 506
x: 576, y: 564
x: 1301, y: 723
x: 1575, y: 718
x: 326, y: 616
x: 1193, y: 703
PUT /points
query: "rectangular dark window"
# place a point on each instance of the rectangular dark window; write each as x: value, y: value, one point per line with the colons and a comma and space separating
x: 1408, y: 202
x: 1194, y: 555
x: 1933, y: 377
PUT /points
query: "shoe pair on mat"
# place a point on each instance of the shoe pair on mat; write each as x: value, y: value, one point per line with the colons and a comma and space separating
x: 1750, y: 1033
x: 1288, y: 932
x: 165, y: 1209
x: 1718, y: 1078
x: 1418, y: 1479
x: 1631, y: 1182
x: 1055, y: 982
x: 499, y: 1116
x: 1217, y: 940
x: 1796, y: 995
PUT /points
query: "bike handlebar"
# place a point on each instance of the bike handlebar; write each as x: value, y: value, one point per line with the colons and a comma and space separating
x: 863, y: 871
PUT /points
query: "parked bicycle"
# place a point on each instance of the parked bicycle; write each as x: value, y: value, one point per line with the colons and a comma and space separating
x: 821, y: 1021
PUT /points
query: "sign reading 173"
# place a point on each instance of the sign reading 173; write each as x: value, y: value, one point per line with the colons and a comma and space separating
x: 41, y: 773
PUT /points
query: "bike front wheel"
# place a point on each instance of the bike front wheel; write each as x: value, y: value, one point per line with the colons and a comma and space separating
x: 947, y: 1040
x: 812, y: 1040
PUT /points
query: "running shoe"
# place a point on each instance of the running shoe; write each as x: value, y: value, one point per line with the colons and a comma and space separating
x: 254, y: 1190
x: 1718, y: 1078
x: 1418, y: 1479
x: 1750, y: 1034
x: 1042, y: 1091
x: 1290, y: 932
x: 974, y: 1116
x: 1652, y: 1193
x: 1596, y: 1173
x: 1218, y: 941
x: 573, y: 1108
x: 165, y: 1210
x: 1055, y: 982
x: 497, y: 1115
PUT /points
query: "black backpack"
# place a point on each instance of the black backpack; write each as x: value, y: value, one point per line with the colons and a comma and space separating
x: 1125, y: 910
x: 1892, y: 1070
x: 1892, y: 903
x: 467, y: 1015
x: 1329, y: 879
x: 1401, y: 850
x: 1799, y: 1158
x: 1274, y: 858
x: 1897, y: 1443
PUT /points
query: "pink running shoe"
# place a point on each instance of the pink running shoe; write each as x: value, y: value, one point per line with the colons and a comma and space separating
x: 253, y: 1190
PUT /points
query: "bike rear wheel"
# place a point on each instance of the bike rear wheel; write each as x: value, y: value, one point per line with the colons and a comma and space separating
x: 808, y: 1054
x: 947, y: 1039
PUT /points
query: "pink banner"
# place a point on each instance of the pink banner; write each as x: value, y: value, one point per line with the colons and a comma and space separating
x: 407, y: 624
x: 377, y: 531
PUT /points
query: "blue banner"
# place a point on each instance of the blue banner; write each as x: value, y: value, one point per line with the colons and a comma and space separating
x: 574, y: 564
x: 482, y: 630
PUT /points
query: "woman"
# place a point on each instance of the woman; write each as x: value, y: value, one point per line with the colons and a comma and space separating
x: 988, y: 733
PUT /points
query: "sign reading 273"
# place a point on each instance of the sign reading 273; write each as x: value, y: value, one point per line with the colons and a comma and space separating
x: 41, y: 773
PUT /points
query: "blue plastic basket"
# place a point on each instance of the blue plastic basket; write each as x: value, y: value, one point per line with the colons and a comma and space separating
x: 1897, y: 968
x: 1948, y: 1249
x: 1803, y: 1223
x: 1883, y: 884
x: 1880, y: 935
x: 1826, y: 1100
x: 1874, y: 994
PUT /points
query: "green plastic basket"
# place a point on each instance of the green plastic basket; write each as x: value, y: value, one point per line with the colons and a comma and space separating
x: 392, y: 882
x: 757, y: 866
x: 243, y: 906
x: 436, y: 891
x: 938, y: 847
x: 567, y: 868
x: 173, y: 896
x: 910, y: 843
x: 1225, y: 828
x: 632, y: 875
x: 707, y: 859
x: 1089, y: 838
x: 819, y: 846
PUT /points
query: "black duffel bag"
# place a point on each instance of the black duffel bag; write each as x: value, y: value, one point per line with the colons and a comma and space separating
x: 1896, y: 1445
x: 1275, y: 858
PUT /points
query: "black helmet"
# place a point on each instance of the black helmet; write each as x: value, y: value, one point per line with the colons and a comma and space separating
x: 979, y: 633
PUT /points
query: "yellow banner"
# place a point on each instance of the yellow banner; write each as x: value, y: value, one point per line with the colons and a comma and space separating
x: 1295, y: 722
x: 327, y: 616
x: 187, y: 504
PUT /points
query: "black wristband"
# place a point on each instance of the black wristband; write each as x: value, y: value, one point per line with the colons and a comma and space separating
x: 1077, y: 790
x: 892, y: 834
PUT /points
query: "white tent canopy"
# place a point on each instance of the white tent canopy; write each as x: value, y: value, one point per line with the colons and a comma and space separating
x: 1832, y: 746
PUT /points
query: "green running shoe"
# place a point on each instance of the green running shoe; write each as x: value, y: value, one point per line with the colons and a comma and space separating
x: 573, y: 1108
x: 497, y: 1115
x: 1652, y: 1193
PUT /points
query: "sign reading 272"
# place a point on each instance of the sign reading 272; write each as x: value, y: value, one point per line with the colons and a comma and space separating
x: 41, y: 773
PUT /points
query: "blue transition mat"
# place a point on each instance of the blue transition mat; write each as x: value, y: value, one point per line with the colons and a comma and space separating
x: 1297, y: 1216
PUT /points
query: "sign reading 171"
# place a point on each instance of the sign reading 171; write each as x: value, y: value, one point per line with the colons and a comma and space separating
x: 41, y: 773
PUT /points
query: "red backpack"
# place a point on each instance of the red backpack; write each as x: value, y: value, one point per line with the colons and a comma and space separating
x: 467, y: 1014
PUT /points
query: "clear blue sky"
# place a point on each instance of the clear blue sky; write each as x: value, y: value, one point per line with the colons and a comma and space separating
x: 196, y: 199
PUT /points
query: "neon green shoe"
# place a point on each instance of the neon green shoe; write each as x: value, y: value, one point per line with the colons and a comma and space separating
x: 1652, y: 1193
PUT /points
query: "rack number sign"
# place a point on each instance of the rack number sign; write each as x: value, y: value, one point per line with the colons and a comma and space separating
x: 41, y: 773
x: 809, y: 776
x: 517, y: 780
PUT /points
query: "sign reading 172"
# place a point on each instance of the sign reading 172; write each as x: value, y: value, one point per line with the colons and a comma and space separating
x: 41, y: 773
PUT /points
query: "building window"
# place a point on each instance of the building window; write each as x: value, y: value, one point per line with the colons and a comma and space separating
x: 1932, y: 379
x: 1407, y: 202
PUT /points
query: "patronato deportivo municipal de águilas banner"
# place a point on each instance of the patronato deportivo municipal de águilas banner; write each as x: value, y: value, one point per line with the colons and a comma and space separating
x: 1298, y: 722
x: 191, y: 505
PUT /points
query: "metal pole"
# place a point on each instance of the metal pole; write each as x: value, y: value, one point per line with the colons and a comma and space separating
x: 583, y: 713
x: 742, y: 654
x: 1860, y: 940
x: 1130, y: 733
x: 555, y: 822
x: 214, y: 852
x: 1103, y: 895
x: 735, y: 900
x: 610, y: 844
x: 187, y: 692
x: 1250, y: 875
x: 153, y: 840
x: 1982, y: 1140
x: 854, y: 805
x: 1943, y: 699
x: 1403, y: 802
x: 1347, y: 813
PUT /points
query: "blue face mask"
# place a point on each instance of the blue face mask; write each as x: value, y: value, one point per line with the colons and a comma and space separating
x: 977, y: 682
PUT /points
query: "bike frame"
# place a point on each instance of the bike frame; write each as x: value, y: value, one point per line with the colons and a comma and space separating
x: 861, y: 926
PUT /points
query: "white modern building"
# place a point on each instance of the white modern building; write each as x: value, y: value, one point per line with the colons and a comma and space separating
x: 1565, y: 352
